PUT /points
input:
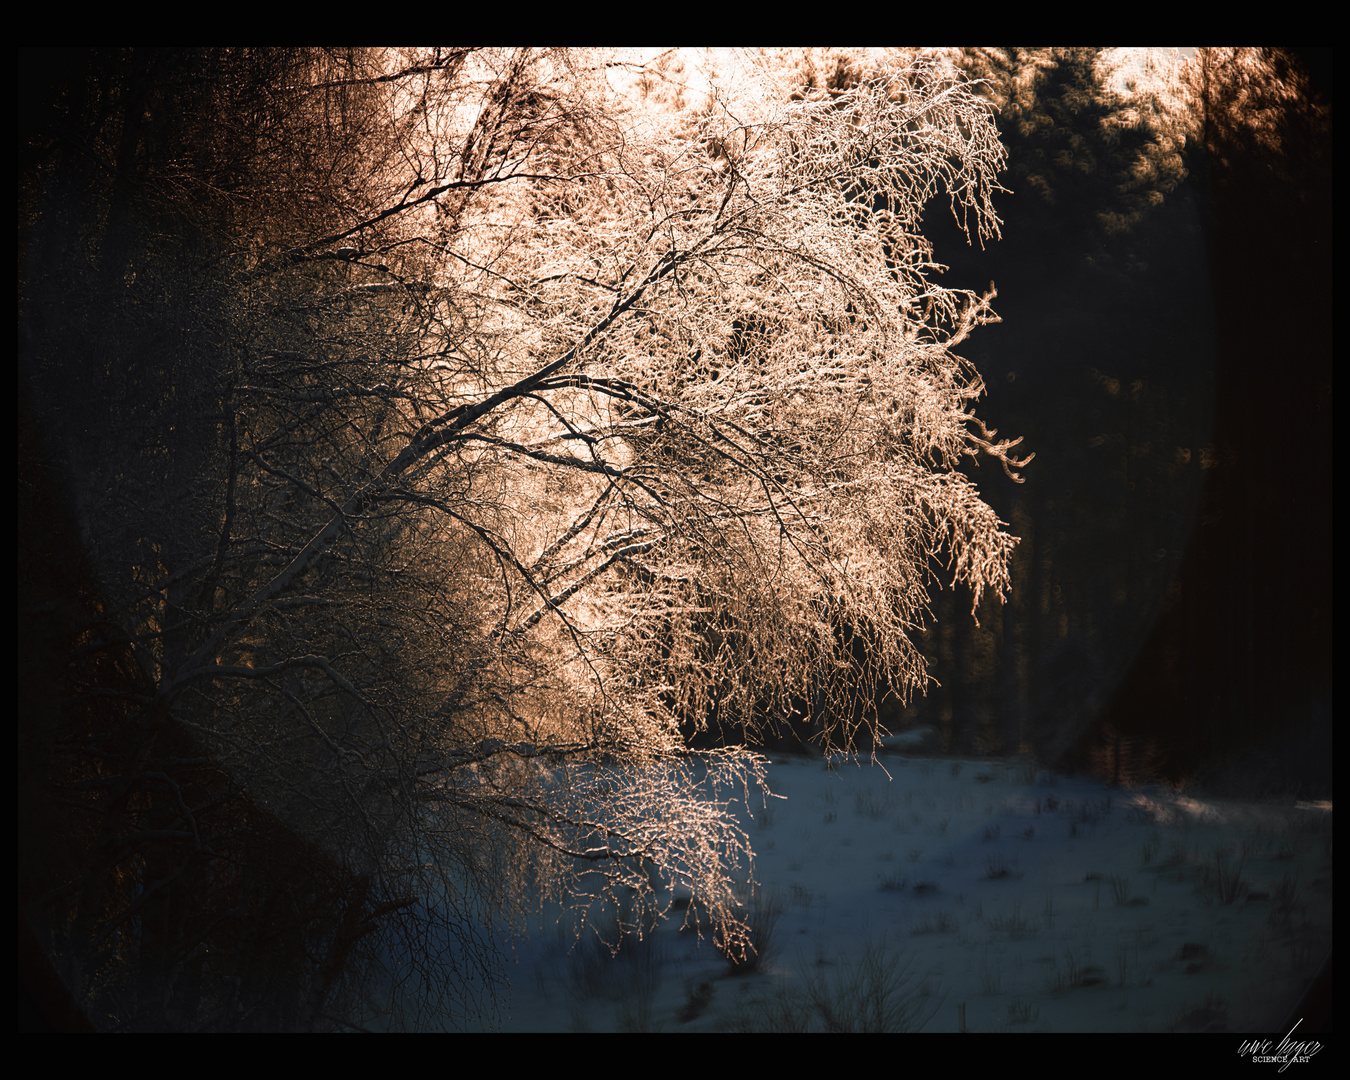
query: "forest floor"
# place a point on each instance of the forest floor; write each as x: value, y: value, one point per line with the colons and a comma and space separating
x: 939, y: 894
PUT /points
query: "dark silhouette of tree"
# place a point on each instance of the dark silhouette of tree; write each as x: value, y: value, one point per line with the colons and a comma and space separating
x: 1088, y: 161
x: 1242, y: 657
x: 169, y: 894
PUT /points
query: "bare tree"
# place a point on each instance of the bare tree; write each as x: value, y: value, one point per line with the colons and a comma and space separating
x: 557, y: 422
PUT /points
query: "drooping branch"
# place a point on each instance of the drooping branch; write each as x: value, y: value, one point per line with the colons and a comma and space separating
x: 1001, y: 451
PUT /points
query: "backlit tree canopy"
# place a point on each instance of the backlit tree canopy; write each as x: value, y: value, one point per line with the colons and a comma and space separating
x: 469, y: 427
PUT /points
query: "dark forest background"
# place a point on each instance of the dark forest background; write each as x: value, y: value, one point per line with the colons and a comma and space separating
x: 1164, y: 281
x: 1166, y: 352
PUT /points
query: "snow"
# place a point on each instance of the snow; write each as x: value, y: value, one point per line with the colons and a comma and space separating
x: 1008, y: 900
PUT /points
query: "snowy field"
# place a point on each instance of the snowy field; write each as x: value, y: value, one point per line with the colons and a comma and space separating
x: 973, y: 895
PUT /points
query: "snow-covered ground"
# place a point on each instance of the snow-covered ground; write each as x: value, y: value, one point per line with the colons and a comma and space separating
x: 977, y: 895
